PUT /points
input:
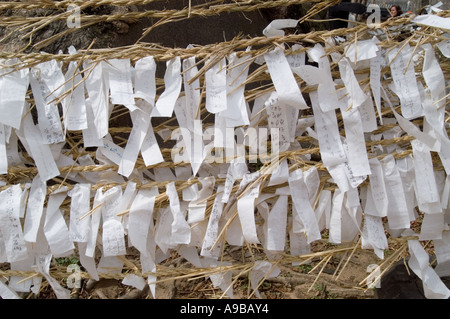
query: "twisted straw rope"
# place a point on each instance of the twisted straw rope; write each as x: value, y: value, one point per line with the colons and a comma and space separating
x: 43, y: 4
x: 165, y: 16
x: 139, y: 50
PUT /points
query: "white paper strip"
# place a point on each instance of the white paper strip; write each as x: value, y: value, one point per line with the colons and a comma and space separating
x: 113, y: 231
x: 433, y: 286
x: 140, y: 218
x: 340, y: 176
x: 150, y: 150
x: 444, y: 47
x: 426, y: 188
x: 279, y: 118
x: 181, y: 231
x: 90, y: 135
x: 79, y: 206
x: 192, y: 92
x: 10, y: 225
x: 111, y: 150
x: 55, y: 227
x: 355, y: 143
x: 405, y: 167
x: 40, y: 152
x: 283, y: 79
x: 335, y: 218
x: 374, y: 235
x: 300, y: 198
x: 432, y: 227
x: 363, y: 50
x: 144, y: 79
x: 110, y: 265
x: 221, y: 280
x: 276, y: 228
x: 7, y: 293
x: 262, y: 270
x: 94, y: 219
x: 327, y: 95
x: 432, y: 20
x: 312, y: 182
x: 212, y: 231
x: 43, y: 266
x: 433, y: 76
x: 172, y: 81
x: 34, y: 210
x: 48, y: 115
x: 3, y: 151
x: 318, y: 55
x: 12, y: 150
x: 120, y: 83
x: 375, y: 81
x: 280, y: 175
x: 216, y: 87
x: 298, y: 245
x: 97, y: 86
x: 442, y: 251
x: 74, y: 106
x: 51, y: 75
x: 433, y: 103
x: 296, y: 59
x: 113, y: 238
x: 236, y: 170
x: 141, y: 122
x: 323, y: 210
x: 246, y: 212
x: 197, y: 206
x: 377, y: 198
x: 356, y: 94
x: 163, y: 230
x: 13, y: 88
x: 368, y: 116
x: 331, y: 148
x: 275, y: 28
x: 191, y: 130
x: 20, y: 283
x: 236, y: 113
x: 411, y: 129
x: 398, y: 216
x: 135, y: 281
x: 87, y: 262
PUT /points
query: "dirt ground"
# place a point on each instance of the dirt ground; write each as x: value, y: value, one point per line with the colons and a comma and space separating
x: 294, y: 282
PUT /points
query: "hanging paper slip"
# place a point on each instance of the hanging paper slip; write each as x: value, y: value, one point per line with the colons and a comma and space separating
x: 283, y: 79
x: 10, y: 226
x: 145, y: 82
x: 172, y: 81
x: 405, y: 83
x: 13, y: 88
x: 120, y: 84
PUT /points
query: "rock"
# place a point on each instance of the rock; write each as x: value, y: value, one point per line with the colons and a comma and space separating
x: 107, y: 289
x: 398, y: 283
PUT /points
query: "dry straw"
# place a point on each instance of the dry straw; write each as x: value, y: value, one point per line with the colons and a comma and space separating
x: 260, y: 81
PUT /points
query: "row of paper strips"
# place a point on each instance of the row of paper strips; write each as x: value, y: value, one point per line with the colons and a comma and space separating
x: 393, y: 192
